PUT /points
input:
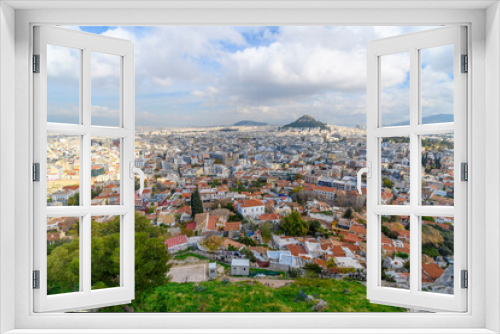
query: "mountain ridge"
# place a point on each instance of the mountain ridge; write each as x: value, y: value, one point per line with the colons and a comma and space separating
x: 249, y: 123
x: 306, y: 121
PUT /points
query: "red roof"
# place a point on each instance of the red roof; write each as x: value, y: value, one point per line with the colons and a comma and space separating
x: 432, y: 270
x: 251, y: 203
x: 338, y: 251
x: 269, y: 216
x: 176, y: 241
x: 295, y: 250
x: 358, y: 229
x: 233, y: 226
x: 211, y: 223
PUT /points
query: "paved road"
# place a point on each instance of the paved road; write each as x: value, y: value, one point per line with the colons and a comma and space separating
x: 191, y: 273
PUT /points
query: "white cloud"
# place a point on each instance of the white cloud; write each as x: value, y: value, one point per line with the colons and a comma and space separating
x: 210, y: 75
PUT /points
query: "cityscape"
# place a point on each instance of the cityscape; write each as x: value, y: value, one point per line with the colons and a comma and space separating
x: 260, y: 207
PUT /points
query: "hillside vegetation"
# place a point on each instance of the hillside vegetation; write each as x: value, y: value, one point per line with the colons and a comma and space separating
x: 251, y: 296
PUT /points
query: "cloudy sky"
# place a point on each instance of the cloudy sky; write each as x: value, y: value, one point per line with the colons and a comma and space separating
x: 196, y: 76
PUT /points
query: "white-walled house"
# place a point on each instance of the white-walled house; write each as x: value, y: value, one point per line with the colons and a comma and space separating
x: 252, y: 208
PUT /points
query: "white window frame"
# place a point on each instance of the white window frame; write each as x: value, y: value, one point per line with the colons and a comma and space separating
x: 484, y: 50
x: 376, y: 130
x: 86, y: 43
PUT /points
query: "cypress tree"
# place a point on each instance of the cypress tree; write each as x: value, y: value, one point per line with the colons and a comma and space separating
x: 196, y: 204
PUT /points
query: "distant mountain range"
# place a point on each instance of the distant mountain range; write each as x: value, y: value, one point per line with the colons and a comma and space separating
x: 249, y: 123
x: 439, y: 118
x: 306, y: 121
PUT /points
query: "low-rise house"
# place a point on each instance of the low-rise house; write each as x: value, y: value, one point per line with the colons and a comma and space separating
x: 270, y: 217
x: 282, y: 241
x: 240, y: 267
x: 232, y: 226
x: 176, y: 244
x: 251, y: 208
x: 212, y: 271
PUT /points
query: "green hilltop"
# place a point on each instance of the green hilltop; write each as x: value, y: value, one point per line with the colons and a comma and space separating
x: 306, y: 121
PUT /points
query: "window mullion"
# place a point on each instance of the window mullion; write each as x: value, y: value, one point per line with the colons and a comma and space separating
x: 414, y: 169
x: 85, y: 167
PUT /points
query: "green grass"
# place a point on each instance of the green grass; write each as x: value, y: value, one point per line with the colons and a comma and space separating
x: 218, y: 296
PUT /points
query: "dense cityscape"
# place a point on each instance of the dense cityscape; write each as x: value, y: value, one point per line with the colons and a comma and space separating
x: 267, y: 203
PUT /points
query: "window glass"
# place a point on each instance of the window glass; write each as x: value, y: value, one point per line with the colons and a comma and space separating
x: 105, y: 171
x: 63, y: 84
x: 395, y: 171
x: 105, y: 254
x: 395, y: 89
x: 63, y: 255
x: 438, y: 170
x: 395, y: 248
x: 105, y: 86
x: 437, y: 254
x: 63, y: 170
x: 437, y: 81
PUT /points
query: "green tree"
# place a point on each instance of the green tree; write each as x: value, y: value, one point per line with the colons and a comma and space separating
x: 314, y: 227
x: 246, y: 240
x: 293, y: 225
x: 249, y: 255
x: 151, y: 259
x: 313, y: 267
x: 63, y: 268
x: 266, y: 232
x: 96, y: 192
x: 331, y: 264
x: 348, y: 214
x: 74, y: 200
x: 387, y: 183
x: 196, y: 203
x: 237, y: 217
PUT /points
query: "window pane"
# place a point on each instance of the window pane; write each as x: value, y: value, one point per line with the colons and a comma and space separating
x: 63, y: 255
x: 437, y: 254
x: 105, y: 172
x: 63, y: 84
x: 395, y: 248
x: 438, y: 170
x: 105, y: 74
x: 395, y: 171
x: 63, y: 170
x: 395, y: 89
x: 437, y: 84
x: 105, y: 252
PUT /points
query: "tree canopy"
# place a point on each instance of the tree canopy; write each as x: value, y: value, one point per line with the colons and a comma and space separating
x: 151, y: 258
x: 196, y: 203
x: 293, y: 225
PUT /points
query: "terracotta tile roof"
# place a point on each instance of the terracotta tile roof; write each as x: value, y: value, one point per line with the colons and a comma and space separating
x: 211, y: 223
x: 227, y: 242
x: 269, y: 216
x: 432, y: 270
x: 250, y: 203
x: 176, y: 241
x: 338, y: 251
x: 358, y: 229
x: 295, y: 250
x: 233, y: 226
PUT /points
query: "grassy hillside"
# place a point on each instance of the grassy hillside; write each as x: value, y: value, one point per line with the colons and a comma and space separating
x: 218, y: 296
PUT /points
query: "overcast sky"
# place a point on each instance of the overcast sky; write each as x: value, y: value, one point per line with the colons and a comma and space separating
x: 196, y: 76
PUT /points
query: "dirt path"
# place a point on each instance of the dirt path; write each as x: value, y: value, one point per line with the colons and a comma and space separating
x: 189, y: 273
